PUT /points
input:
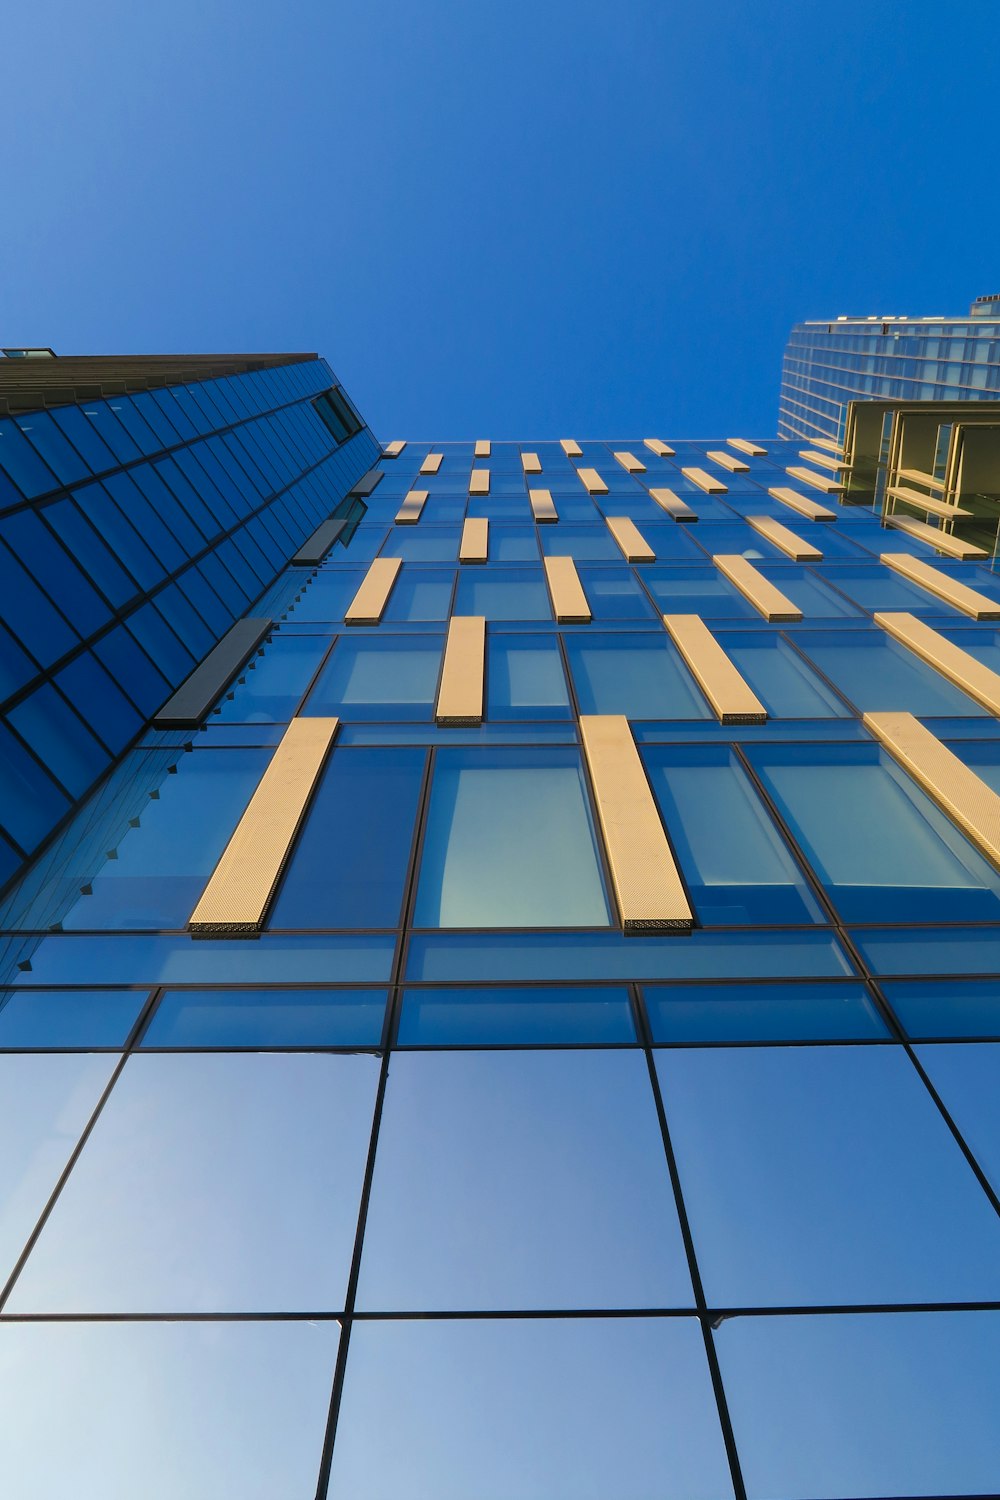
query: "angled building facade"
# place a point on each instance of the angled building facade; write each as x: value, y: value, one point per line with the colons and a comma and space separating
x: 827, y: 364
x: 529, y: 1028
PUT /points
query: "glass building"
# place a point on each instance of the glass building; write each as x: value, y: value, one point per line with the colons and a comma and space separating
x: 520, y: 1020
x: 828, y: 364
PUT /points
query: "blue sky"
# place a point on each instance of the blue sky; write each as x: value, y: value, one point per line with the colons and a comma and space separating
x: 530, y: 218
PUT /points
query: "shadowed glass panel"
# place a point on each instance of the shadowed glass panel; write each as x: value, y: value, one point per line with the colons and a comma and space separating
x: 265, y: 1018
x: 522, y: 1016
x: 641, y: 676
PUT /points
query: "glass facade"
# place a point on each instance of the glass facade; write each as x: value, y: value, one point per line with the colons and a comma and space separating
x: 826, y: 365
x: 448, y: 1179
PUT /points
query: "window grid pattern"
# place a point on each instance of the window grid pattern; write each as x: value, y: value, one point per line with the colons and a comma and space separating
x: 805, y: 1164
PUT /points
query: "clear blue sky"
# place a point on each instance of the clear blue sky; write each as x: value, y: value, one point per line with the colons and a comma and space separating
x: 496, y: 217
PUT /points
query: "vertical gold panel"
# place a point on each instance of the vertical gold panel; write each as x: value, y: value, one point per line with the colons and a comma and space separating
x: 235, y: 900
x: 630, y: 539
x: 630, y: 462
x: 542, y: 508
x: 460, y: 694
x: 475, y: 540
x: 431, y: 463
x: 368, y: 603
x: 705, y: 481
x: 592, y: 482
x: 672, y: 503
x: 788, y: 542
x: 569, y: 602
x: 765, y: 598
x: 531, y: 463
x: 648, y: 888
x: 732, y: 700
x: 940, y: 540
x: 815, y: 481
x: 744, y: 445
x: 479, y: 482
x: 811, y: 509
x: 945, y: 657
x: 394, y: 449
x: 728, y: 461
x: 482, y: 449
x: 960, y: 794
x: 571, y: 448
x: 408, y: 513
x: 659, y: 447
x: 977, y: 606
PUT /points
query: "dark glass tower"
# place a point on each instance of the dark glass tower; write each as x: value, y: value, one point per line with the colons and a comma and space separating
x: 525, y: 1022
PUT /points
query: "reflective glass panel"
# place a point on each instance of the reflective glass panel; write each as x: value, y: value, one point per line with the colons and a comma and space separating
x: 164, y: 1409
x: 875, y: 840
x: 521, y: 1180
x: 351, y: 858
x: 509, y: 843
x: 736, y: 865
x: 523, y: 1016
x: 43, y: 1019
x: 379, y: 677
x: 965, y: 1075
x: 685, y: 1013
x: 265, y: 1018
x: 880, y: 676
x: 864, y: 1404
x: 45, y: 1104
x: 780, y: 677
x: 954, y: 1007
x: 499, y: 594
x: 524, y: 678
x: 170, y: 1208
x: 823, y: 1175
x: 536, y: 1409
x: 641, y: 676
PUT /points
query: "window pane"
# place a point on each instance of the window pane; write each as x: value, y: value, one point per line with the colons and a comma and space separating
x: 164, y: 1409
x: 529, y: 1409
x: 265, y: 1018
x: 160, y: 867
x: 45, y: 1104
x: 879, y: 844
x: 524, y: 678
x: 41, y: 1019
x: 966, y: 1078
x: 388, y: 677
x: 519, y: 1017
x: 735, y: 862
x: 175, y: 1161
x: 869, y: 1404
x: 823, y: 1175
x: 955, y: 1007
x: 880, y: 676
x: 350, y: 862
x: 521, y: 1180
x: 761, y: 1013
x: 514, y: 594
x: 780, y: 677
x: 273, y: 684
x: 641, y: 676
x: 422, y: 594
x: 510, y: 843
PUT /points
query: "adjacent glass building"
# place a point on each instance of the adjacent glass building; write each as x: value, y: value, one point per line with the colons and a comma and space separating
x: 828, y: 364
x: 528, y: 1030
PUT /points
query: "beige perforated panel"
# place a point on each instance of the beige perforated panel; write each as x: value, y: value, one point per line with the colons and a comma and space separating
x: 479, y: 482
x: 744, y: 445
x: 630, y: 539
x: 431, y: 463
x: 811, y: 509
x: 732, y: 700
x: 592, y: 482
x: 789, y: 543
x: 762, y: 594
x: 531, y: 463
x: 542, y: 507
x: 648, y: 889
x: 630, y: 462
x: 672, y: 503
x: 460, y: 694
x: 235, y: 900
x: 978, y: 606
x: 972, y: 805
x: 705, y: 481
x: 475, y: 540
x: 368, y: 603
x: 728, y: 461
x: 408, y: 513
x: 571, y: 448
x: 815, y: 481
x: 569, y: 602
x: 659, y: 447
